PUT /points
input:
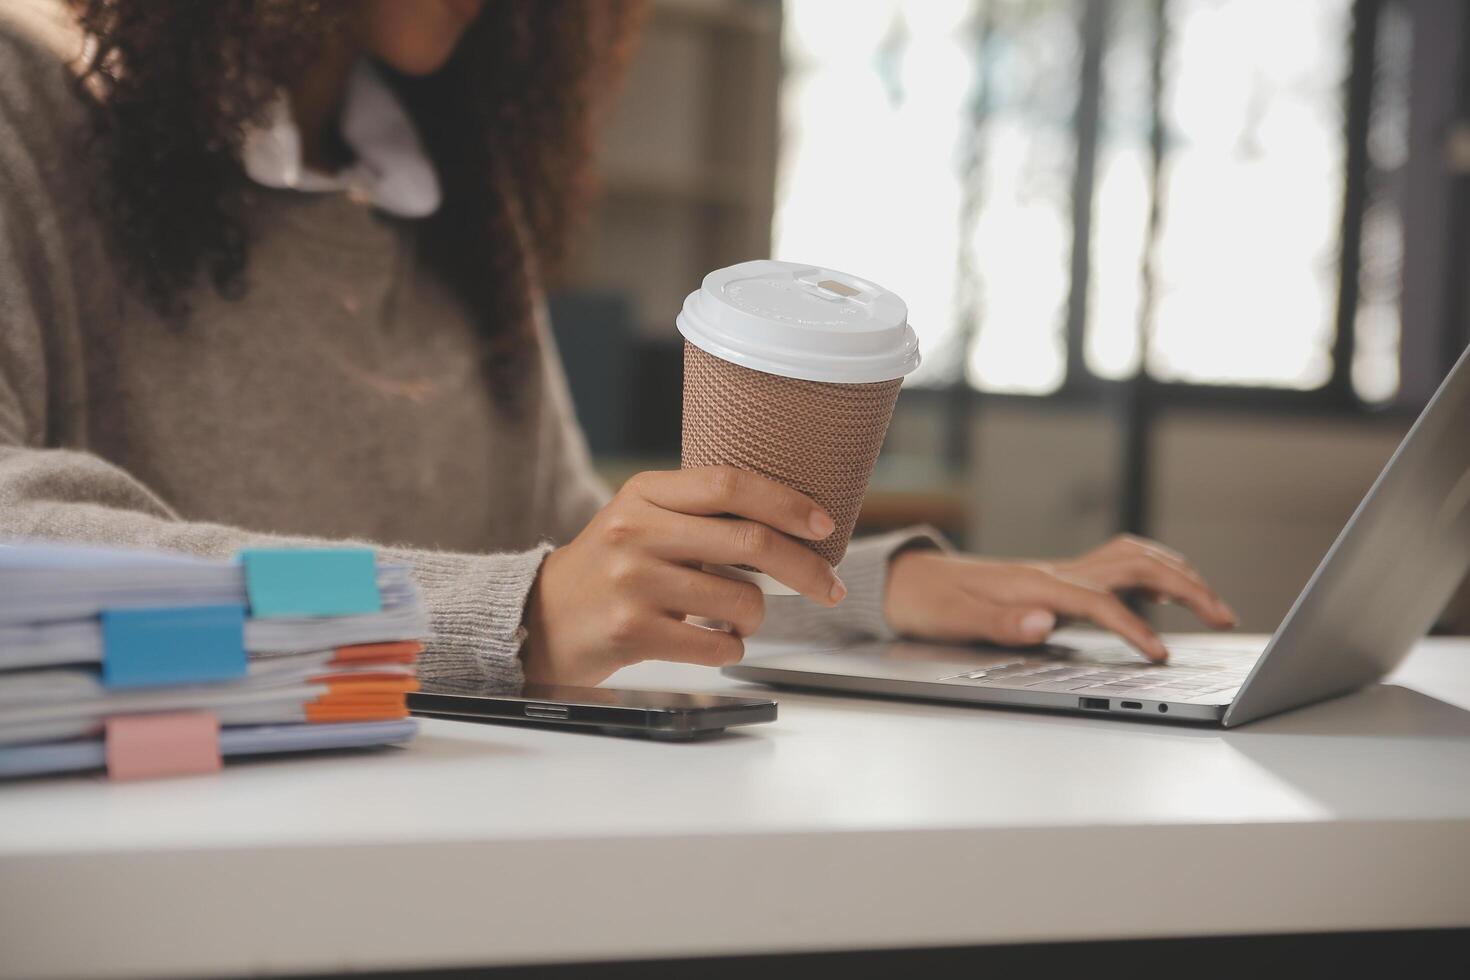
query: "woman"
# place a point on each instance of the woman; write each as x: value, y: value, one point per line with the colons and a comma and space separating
x: 271, y: 271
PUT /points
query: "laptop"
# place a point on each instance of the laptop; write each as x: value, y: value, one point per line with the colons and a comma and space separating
x: 1379, y: 589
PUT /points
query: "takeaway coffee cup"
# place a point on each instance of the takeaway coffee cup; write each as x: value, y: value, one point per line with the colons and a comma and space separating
x: 792, y: 371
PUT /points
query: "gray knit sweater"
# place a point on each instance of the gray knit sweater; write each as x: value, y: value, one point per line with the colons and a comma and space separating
x: 338, y: 399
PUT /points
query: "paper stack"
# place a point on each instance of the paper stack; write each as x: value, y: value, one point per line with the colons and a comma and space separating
x: 153, y: 664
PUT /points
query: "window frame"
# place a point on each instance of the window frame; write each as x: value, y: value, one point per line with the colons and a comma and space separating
x: 1079, y: 382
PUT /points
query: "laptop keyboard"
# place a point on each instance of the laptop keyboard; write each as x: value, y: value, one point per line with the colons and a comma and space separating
x: 1188, y: 674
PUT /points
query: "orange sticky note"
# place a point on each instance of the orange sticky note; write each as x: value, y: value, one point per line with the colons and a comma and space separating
x: 355, y: 712
x: 178, y: 743
x: 404, y: 652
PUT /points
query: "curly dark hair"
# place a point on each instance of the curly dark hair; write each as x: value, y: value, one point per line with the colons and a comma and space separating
x: 509, y: 123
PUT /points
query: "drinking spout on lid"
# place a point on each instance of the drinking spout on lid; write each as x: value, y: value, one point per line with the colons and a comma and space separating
x: 828, y: 289
x: 840, y: 288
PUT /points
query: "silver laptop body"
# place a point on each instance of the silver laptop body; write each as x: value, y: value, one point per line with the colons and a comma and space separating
x: 1378, y: 590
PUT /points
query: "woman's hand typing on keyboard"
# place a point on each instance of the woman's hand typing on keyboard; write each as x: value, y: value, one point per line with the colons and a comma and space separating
x: 939, y: 596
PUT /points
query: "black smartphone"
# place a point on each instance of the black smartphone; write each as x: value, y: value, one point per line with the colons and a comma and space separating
x: 651, y: 713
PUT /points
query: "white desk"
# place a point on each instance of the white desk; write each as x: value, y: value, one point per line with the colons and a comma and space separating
x: 847, y: 824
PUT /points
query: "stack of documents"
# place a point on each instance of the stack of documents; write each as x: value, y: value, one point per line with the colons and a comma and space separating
x: 152, y: 664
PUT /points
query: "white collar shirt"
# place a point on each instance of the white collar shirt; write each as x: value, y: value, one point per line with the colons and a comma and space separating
x: 392, y: 171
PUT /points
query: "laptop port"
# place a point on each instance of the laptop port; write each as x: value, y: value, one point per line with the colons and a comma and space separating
x: 1093, y: 704
x: 1135, y: 705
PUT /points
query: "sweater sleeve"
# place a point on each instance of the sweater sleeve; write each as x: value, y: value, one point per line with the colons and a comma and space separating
x: 51, y: 487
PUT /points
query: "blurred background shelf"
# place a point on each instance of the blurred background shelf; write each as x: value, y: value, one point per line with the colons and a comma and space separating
x: 688, y: 158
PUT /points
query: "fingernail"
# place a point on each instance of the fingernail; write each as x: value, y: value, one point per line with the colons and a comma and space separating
x: 1038, y: 625
x: 1227, y: 612
x: 1157, y: 648
x: 821, y: 524
x: 839, y: 591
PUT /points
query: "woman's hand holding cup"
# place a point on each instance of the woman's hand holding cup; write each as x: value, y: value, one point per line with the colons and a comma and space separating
x: 620, y: 592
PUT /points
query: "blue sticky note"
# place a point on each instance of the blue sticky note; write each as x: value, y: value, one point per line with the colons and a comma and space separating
x: 311, y: 581
x: 185, y: 645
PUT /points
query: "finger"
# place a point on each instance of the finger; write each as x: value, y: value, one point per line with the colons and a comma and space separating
x: 684, y: 591
x: 1147, y: 548
x: 1006, y: 625
x: 1129, y: 543
x: 685, y: 643
x: 714, y: 490
x: 1148, y: 572
x: 1097, y: 606
x: 963, y: 612
x: 724, y: 541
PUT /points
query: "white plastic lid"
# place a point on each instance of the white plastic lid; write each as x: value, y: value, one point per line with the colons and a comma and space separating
x: 801, y: 321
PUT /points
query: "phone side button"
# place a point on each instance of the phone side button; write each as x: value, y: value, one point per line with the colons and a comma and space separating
x: 554, y: 712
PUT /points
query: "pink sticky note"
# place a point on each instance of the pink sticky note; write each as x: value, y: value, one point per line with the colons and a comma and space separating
x: 178, y: 743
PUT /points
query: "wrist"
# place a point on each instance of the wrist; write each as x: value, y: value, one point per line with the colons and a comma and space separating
x: 902, y: 565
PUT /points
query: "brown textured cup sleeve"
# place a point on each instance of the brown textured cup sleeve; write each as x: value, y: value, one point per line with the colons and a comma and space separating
x: 821, y: 439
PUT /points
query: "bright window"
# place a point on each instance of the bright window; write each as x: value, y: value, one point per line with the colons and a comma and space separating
x: 932, y: 145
